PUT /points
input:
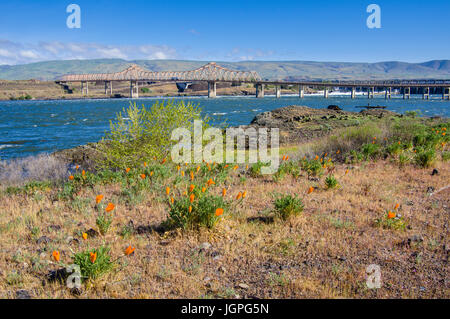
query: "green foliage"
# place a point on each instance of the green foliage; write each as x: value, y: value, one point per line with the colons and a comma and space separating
x: 425, y: 157
x: 145, y: 90
x: 312, y: 167
x: 142, y: 134
x: 331, y: 182
x: 103, y: 222
x: 255, y: 169
x: 203, y: 211
x: 102, y: 264
x: 370, y: 151
x: 445, y: 156
x: 287, y: 206
x: 397, y: 223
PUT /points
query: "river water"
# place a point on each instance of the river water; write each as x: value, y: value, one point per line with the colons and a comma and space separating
x: 33, y: 127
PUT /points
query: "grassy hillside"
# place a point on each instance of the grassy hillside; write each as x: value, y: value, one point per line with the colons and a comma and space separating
x: 51, y: 70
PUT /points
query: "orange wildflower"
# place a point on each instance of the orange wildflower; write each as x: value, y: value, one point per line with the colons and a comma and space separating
x: 317, y: 157
x: 110, y: 207
x: 85, y: 236
x: 145, y: 164
x: 203, y: 189
x: 397, y: 206
x: 235, y: 167
x: 198, y: 168
x: 226, y: 166
x: 98, y: 198
x: 93, y: 257
x: 443, y: 134
x: 219, y: 211
x: 191, y: 188
x: 151, y: 173
x: 239, y: 195
x: 191, y: 198
x: 163, y: 161
x: 71, y: 177
x: 310, y: 190
x: 167, y: 190
x: 391, y: 215
x: 182, y: 173
x: 178, y: 167
x: 190, y: 209
x: 128, y: 170
x: 246, y: 166
x: 224, y: 192
x: 346, y: 171
x: 192, y: 175
x: 338, y: 151
x: 184, y: 193
x: 83, y: 173
x: 244, y: 194
x: 56, y: 255
x: 287, y: 157
x: 172, y: 200
x: 210, y: 182
x: 77, y: 167
x: 143, y: 176
x: 129, y: 250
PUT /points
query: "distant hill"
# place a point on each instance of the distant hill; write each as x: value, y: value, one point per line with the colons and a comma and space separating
x: 51, y: 70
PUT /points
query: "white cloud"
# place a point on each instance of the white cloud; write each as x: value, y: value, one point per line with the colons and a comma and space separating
x: 21, y: 53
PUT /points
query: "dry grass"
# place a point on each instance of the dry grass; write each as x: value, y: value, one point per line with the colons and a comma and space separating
x: 322, y: 253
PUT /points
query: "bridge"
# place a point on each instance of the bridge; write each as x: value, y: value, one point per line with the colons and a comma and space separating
x: 213, y: 73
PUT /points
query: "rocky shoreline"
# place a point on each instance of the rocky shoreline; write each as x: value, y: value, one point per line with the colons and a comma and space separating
x: 297, y: 124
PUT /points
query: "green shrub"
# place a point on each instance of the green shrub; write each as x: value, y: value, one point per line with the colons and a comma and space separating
x: 102, y: 264
x: 312, y: 167
x: 445, y: 156
x: 397, y: 223
x: 104, y: 223
x: 287, y: 206
x: 425, y: 157
x: 370, y: 151
x: 331, y: 182
x: 142, y: 133
x: 255, y: 169
x: 203, y: 211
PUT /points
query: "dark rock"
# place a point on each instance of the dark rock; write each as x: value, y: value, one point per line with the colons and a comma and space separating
x: 435, y: 172
x: 92, y: 232
x: 23, y: 294
x: 334, y: 107
x: 430, y: 189
x: 43, y: 240
x: 58, y: 275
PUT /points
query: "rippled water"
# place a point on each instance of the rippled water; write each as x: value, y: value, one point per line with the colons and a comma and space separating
x: 32, y: 127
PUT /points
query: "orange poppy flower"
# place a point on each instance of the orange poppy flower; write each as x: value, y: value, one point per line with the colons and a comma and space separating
x: 71, y: 177
x: 167, y: 190
x: 98, y: 198
x: 346, y: 171
x: 163, y: 161
x: 192, y: 175
x: 190, y: 209
x: 172, y: 200
x: 224, y: 192
x: 198, y: 168
x: 191, y: 188
x: 338, y: 151
x: 143, y: 176
x: 310, y: 190
x: 238, y: 196
x: 182, y: 173
x: 226, y: 166
x: 443, y: 134
x: 85, y: 236
x: 283, y: 158
x: 219, y: 211
x: 244, y: 194
x: 246, y: 166
x: 145, y: 164
x: 317, y: 157
x: 397, y: 206
x: 83, y: 173
x: 77, y: 167
x: 191, y: 198
x: 391, y: 215
x: 151, y: 173
x: 110, y: 207
x: 129, y: 250
x: 56, y: 255
x: 93, y: 256
x: 210, y: 182
x: 203, y: 189
x: 235, y: 167
x: 178, y: 167
x: 128, y: 170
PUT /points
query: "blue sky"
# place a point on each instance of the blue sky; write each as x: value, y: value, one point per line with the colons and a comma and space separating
x: 412, y: 31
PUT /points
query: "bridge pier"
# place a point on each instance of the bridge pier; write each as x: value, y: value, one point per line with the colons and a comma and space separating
x: 212, y: 90
x: 426, y: 94
x: 388, y: 93
x: 370, y: 92
x: 325, y: 93
x: 134, y: 89
x: 84, y: 88
x: 353, y: 95
x: 106, y: 87
x: 259, y: 90
x: 277, y: 91
x: 301, y: 91
x: 446, y: 93
x: 406, y: 93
